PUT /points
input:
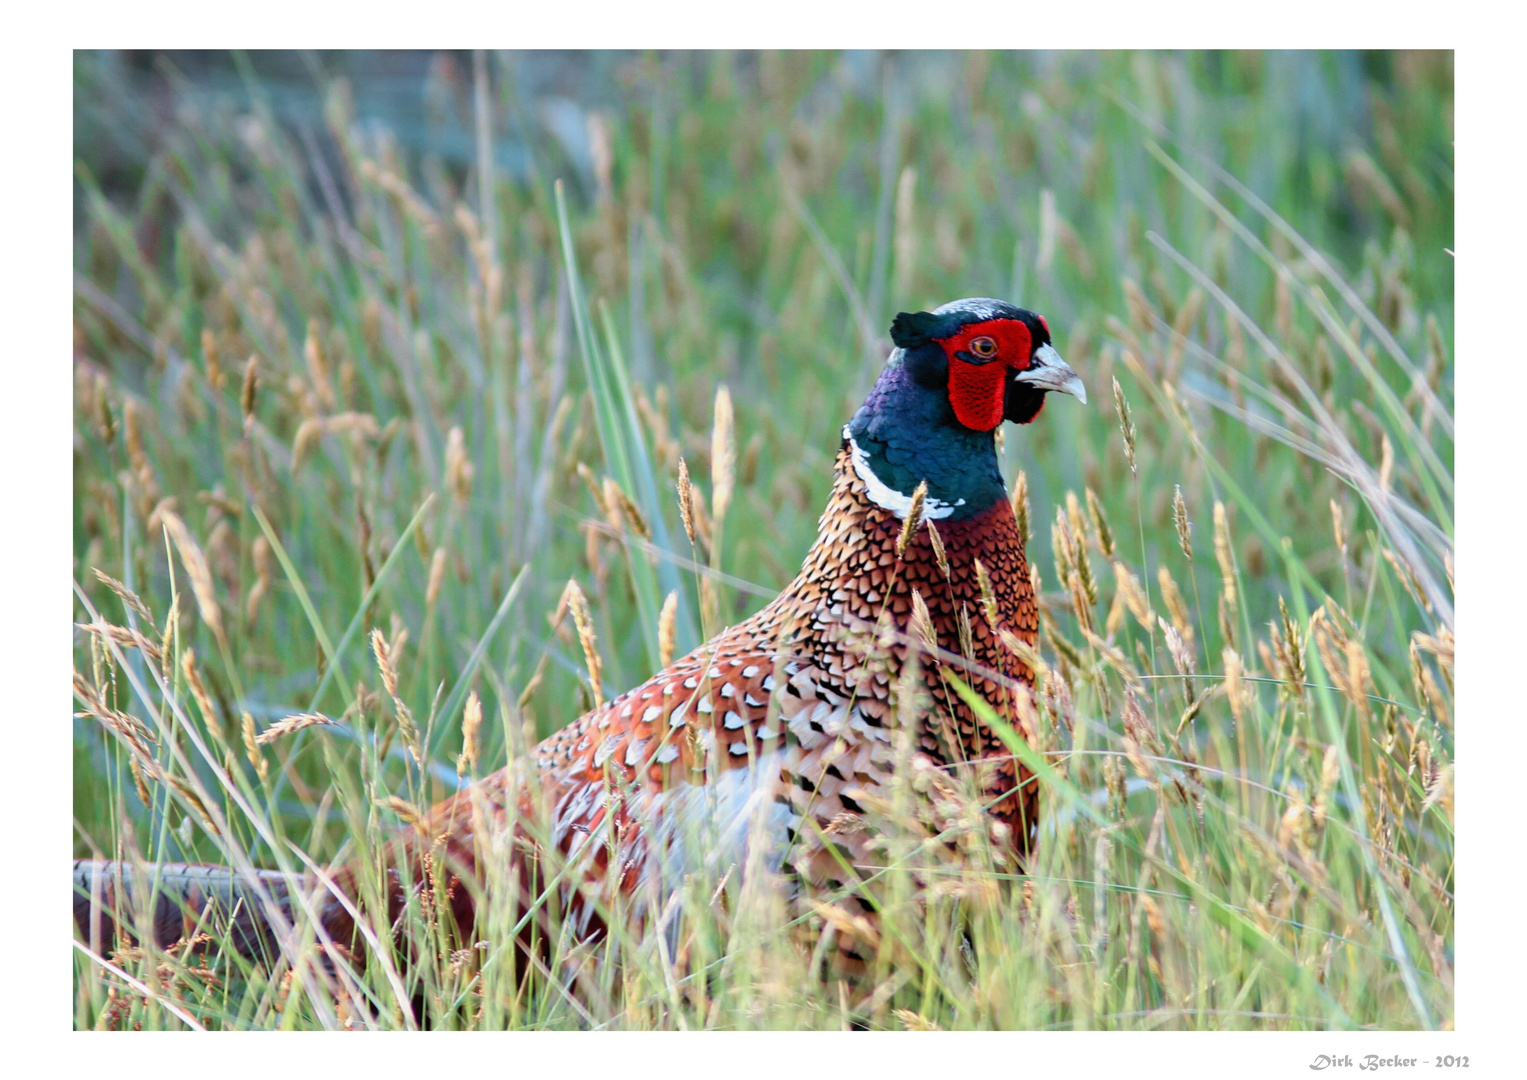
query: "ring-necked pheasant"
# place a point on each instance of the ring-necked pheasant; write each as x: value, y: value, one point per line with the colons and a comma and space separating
x: 780, y: 736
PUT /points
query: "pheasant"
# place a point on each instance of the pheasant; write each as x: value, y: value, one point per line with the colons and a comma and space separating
x: 778, y: 738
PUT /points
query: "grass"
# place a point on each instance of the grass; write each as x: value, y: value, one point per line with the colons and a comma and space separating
x: 327, y: 382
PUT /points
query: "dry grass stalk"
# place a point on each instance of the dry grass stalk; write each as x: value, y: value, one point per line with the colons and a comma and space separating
x: 138, y: 780
x: 126, y: 637
x: 1134, y: 596
x: 1180, y: 521
x: 318, y: 367
x: 1338, y: 527
x: 436, y: 577
x: 1027, y: 655
x: 133, y: 424
x: 1286, y: 658
x: 195, y: 562
x: 629, y: 513
x: 252, y: 746
x: 911, y: 1021
x: 596, y: 489
x: 667, y: 632
x: 913, y: 519
x: 124, y: 725
x: 471, y: 725
x: 289, y: 725
x: 407, y: 811
x: 248, y: 389
x: 967, y: 636
x: 1440, y: 792
x: 171, y: 623
x: 203, y: 699
x: 1237, y: 691
x: 939, y: 555
x: 664, y: 448
x: 1073, y: 566
x: 215, y: 376
x: 920, y: 627
x: 384, y: 663
x: 723, y: 455
x: 578, y: 604
x: 308, y: 434
x: 1182, y: 653
x: 1140, y: 739
x: 988, y: 595
x: 1176, y: 607
x: 133, y: 601
x: 1062, y: 546
x: 855, y: 926
x: 1140, y: 311
x: 261, y: 554
x: 1223, y: 556
x: 1330, y: 772
x: 687, y: 503
x: 103, y: 416
x: 1126, y: 425
x: 1114, y: 621
x: 1100, y: 527
x: 458, y: 467
x: 1021, y: 505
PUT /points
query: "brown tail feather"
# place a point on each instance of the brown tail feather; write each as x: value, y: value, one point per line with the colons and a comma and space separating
x: 186, y: 891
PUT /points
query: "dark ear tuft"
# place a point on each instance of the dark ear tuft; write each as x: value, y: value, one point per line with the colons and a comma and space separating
x: 911, y: 329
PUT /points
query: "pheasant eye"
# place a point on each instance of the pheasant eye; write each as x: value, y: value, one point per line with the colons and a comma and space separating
x: 984, y: 347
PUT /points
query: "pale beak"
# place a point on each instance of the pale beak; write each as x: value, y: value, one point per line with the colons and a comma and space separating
x: 1047, y: 371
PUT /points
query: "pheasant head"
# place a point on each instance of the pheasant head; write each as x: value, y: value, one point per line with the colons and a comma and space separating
x: 956, y: 373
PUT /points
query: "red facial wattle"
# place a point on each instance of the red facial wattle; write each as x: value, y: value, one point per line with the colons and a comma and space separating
x: 976, y: 389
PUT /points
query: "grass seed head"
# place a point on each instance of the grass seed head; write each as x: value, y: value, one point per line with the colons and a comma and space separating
x: 138, y: 780
x: 436, y: 577
x: 1176, y: 607
x: 988, y: 595
x: 318, y: 366
x: 252, y: 745
x: 385, y: 664
x: 1134, y: 596
x: 290, y: 725
x: 1100, y: 527
x: 103, y: 415
x: 630, y: 513
x: 458, y: 467
x: 1021, y: 505
x: 667, y: 633
x: 471, y: 725
x: 1236, y: 689
x: 129, y: 598
x: 1126, y: 425
x: 195, y: 562
x: 939, y: 555
x: 920, y: 626
x: 1223, y: 556
x: 967, y: 636
x: 583, y: 619
x: 723, y: 455
x: 248, y: 390
x: 406, y: 811
x: 687, y: 503
x: 913, y: 518
x: 203, y: 699
x: 1180, y: 520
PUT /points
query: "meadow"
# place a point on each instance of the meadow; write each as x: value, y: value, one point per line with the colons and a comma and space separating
x: 334, y: 377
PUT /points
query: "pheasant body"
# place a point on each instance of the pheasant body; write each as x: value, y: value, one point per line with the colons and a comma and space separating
x: 779, y: 740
